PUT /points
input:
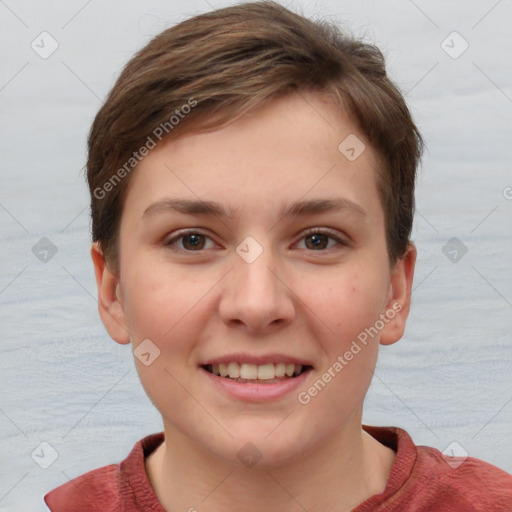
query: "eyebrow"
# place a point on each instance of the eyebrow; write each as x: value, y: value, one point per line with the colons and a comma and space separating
x: 297, y: 208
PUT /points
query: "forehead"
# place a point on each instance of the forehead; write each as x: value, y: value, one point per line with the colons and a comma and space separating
x: 297, y: 146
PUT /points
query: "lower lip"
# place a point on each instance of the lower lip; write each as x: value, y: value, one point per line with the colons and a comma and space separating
x: 252, y: 392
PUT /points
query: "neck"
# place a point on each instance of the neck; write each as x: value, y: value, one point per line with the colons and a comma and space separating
x: 337, y: 476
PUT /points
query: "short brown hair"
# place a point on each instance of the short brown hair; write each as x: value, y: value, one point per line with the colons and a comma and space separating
x: 221, y: 65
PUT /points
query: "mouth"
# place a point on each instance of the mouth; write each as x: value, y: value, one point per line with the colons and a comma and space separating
x: 269, y: 373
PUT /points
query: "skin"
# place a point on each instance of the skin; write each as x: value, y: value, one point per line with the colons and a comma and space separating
x: 299, y: 298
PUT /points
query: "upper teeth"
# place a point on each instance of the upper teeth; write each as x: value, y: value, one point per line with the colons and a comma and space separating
x: 255, y: 371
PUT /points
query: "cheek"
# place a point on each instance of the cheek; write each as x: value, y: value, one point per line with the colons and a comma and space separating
x: 351, y: 303
x: 349, y: 307
x: 159, y: 303
x: 168, y: 310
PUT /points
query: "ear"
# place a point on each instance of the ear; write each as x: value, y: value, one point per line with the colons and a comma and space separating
x: 110, y: 301
x: 399, y: 297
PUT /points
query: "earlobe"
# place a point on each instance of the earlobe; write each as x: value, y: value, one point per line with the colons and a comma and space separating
x: 110, y: 303
x: 399, y: 299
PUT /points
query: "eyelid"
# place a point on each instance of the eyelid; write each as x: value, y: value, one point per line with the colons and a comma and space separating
x: 184, y: 232
x: 333, y: 234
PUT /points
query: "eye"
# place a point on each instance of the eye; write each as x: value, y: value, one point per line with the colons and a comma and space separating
x: 317, y: 239
x: 189, y: 241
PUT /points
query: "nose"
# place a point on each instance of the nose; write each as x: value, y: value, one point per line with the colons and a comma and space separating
x: 255, y: 295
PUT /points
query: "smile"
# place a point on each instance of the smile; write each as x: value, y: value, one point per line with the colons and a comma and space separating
x: 263, y: 373
x: 257, y: 390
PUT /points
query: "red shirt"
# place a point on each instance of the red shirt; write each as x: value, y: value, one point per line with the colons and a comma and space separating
x: 421, y: 480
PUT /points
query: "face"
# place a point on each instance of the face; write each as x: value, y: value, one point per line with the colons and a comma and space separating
x: 286, y: 263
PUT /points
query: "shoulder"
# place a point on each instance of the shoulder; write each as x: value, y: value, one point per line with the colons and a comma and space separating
x: 95, y: 490
x: 114, y: 488
x: 469, y: 482
x: 422, y: 479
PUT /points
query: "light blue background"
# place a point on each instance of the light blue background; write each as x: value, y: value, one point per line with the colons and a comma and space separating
x: 63, y: 381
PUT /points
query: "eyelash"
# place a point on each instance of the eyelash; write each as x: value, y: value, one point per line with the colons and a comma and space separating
x: 313, y: 231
